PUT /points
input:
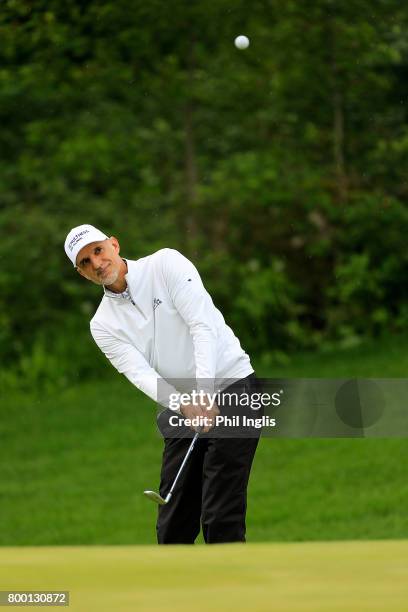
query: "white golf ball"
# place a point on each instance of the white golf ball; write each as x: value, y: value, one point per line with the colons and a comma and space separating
x: 241, y: 42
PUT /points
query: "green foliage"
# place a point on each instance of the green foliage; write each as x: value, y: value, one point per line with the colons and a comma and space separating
x: 267, y: 298
x: 369, y: 293
x: 280, y: 171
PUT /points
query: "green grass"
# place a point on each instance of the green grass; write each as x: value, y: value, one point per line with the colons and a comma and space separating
x: 386, y: 358
x: 73, y: 466
x: 295, y: 577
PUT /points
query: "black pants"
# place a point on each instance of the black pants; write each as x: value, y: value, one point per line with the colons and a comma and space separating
x: 212, y: 490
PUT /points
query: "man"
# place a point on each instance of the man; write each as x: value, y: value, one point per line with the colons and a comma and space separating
x: 156, y: 322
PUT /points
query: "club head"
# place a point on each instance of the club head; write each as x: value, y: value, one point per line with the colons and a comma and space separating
x: 155, y: 497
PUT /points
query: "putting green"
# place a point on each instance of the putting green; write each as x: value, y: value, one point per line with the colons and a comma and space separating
x: 329, y: 576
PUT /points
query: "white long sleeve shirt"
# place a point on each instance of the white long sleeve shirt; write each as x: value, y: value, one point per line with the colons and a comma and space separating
x: 165, y: 326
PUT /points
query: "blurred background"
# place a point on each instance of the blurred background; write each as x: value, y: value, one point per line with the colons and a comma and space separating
x: 279, y: 170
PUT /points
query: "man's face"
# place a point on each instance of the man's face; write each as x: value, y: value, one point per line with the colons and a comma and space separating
x: 100, y: 262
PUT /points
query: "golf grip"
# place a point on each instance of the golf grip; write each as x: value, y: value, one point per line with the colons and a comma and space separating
x: 188, y: 453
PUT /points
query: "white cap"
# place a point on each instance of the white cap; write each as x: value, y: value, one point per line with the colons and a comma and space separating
x: 79, y: 237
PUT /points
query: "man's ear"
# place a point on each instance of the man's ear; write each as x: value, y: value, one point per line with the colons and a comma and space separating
x: 79, y: 271
x: 115, y: 244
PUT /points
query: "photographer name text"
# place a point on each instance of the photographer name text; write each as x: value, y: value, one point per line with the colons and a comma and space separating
x: 226, y: 421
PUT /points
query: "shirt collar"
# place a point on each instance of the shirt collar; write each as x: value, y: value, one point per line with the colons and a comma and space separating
x: 111, y: 294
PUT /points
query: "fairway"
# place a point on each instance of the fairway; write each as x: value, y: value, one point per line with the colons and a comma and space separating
x: 290, y: 577
x: 98, y: 444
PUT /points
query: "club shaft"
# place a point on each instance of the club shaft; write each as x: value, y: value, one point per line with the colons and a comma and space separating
x: 182, y: 465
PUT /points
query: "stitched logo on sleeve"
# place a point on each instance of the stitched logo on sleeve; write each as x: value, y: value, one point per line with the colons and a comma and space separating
x: 156, y: 303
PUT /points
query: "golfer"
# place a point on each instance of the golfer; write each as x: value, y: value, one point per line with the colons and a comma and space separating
x: 156, y: 322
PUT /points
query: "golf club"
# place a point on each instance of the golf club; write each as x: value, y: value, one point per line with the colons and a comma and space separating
x: 165, y: 500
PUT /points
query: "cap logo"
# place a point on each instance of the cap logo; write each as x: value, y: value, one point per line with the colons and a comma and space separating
x: 77, y: 238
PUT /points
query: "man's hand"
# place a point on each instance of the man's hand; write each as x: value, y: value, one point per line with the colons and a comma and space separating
x: 204, y: 411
